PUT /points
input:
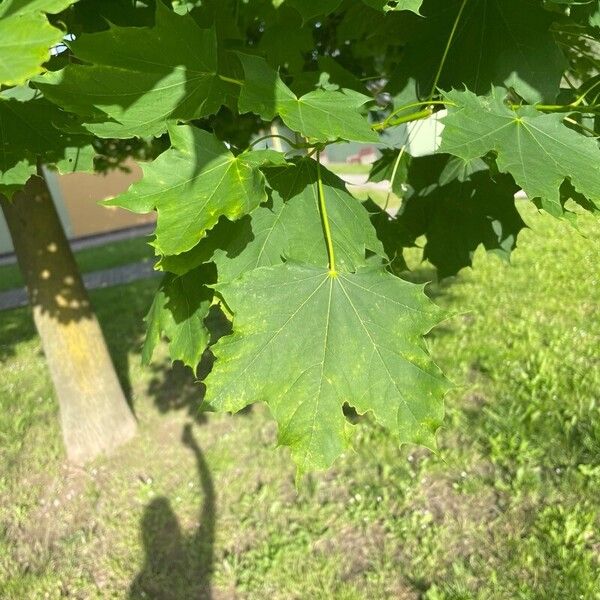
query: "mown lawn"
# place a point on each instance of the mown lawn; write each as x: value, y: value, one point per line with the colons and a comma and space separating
x: 204, y: 507
x: 349, y: 168
x: 107, y: 256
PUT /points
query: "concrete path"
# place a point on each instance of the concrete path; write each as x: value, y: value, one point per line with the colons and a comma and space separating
x: 97, y: 279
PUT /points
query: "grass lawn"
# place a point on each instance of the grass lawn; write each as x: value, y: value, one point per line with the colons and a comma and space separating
x: 90, y: 259
x: 386, y: 199
x: 349, y: 168
x: 205, y: 507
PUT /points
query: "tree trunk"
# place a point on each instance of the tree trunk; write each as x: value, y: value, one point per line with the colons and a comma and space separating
x: 94, y: 413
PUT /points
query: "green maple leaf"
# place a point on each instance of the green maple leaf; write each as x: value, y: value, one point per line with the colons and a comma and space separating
x: 497, y: 42
x: 314, y: 8
x: 26, y: 37
x: 286, y: 41
x: 194, y: 183
x: 21, y: 7
x: 458, y: 206
x: 321, y: 115
x: 262, y: 242
x: 290, y: 227
x: 226, y: 237
x: 390, y: 5
x: 178, y: 311
x: 309, y: 9
x: 287, y: 227
x: 29, y: 133
x: 140, y: 78
x: 354, y: 338
x: 535, y: 148
x: 296, y: 192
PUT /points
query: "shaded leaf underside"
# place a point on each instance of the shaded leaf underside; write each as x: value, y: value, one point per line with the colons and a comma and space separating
x: 496, y: 42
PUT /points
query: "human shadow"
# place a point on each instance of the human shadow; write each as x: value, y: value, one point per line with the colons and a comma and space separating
x: 177, y: 566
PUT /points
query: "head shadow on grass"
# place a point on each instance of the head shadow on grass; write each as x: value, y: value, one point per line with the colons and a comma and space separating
x: 177, y: 565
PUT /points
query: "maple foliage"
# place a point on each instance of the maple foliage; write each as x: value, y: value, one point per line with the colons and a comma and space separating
x: 310, y: 277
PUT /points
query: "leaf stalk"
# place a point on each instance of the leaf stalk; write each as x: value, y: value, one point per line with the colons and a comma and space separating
x: 574, y: 107
x: 231, y: 80
x: 415, y: 116
x: 393, y: 177
x: 287, y: 140
x: 325, y: 219
x: 447, y: 48
x: 417, y: 104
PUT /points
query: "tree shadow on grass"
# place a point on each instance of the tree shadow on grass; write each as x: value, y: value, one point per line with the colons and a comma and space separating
x: 120, y: 311
x: 177, y: 566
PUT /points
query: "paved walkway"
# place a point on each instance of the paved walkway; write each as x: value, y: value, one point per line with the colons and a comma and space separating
x: 98, y: 279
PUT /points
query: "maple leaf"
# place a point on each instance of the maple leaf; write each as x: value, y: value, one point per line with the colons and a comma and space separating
x: 355, y: 338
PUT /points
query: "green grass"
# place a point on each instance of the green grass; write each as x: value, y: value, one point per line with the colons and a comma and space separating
x: 509, y: 509
x: 349, y: 168
x: 385, y: 199
x: 90, y: 259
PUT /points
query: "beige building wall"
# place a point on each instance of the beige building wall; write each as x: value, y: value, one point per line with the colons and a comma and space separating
x: 77, y: 196
x: 81, y: 193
